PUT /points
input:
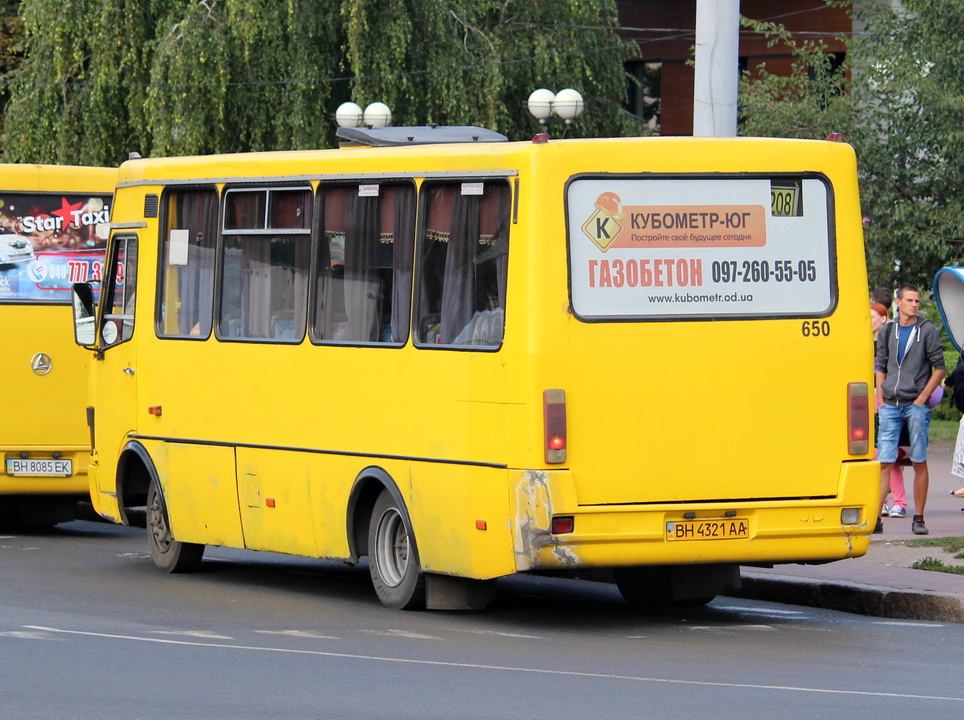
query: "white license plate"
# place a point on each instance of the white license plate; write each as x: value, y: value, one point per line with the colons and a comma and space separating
x: 727, y: 529
x: 40, y: 467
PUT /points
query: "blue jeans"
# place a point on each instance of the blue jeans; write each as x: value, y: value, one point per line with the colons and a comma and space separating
x: 892, y: 419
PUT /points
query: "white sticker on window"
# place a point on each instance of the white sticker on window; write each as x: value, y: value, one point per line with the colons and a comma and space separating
x: 368, y: 190
x: 473, y: 188
x: 177, y: 247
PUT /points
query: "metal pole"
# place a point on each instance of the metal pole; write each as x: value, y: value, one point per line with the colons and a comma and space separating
x: 717, y: 68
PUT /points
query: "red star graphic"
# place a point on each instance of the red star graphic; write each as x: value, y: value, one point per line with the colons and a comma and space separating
x: 67, y: 210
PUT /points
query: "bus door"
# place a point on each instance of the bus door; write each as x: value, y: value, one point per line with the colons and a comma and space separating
x: 114, y: 391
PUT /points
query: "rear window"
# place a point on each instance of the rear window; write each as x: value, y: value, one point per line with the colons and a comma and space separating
x: 663, y: 248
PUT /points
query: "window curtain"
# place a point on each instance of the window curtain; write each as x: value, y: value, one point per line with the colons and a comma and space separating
x: 255, y: 287
x: 187, y: 296
x: 196, y: 279
x: 300, y: 281
x: 361, y: 275
x: 402, y: 252
x: 458, y: 285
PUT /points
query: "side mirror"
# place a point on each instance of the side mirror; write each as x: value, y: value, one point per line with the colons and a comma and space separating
x: 85, y: 327
x: 949, y: 293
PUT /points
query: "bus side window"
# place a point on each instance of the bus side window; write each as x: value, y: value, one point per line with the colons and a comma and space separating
x: 364, y: 264
x: 463, y: 263
x: 264, y: 270
x: 187, y: 263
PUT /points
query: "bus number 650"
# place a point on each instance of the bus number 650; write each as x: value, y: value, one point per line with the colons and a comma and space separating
x: 816, y: 328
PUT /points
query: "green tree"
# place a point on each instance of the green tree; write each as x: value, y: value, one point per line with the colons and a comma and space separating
x: 484, y: 59
x: 11, y: 43
x: 234, y: 75
x: 78, y: 96
x: 903, y: 111
x: 202, y: 76
x: 909, y: 89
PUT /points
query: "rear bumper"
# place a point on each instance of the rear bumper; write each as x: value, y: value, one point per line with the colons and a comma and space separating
x: 777, y: 531
x: 75, y: 484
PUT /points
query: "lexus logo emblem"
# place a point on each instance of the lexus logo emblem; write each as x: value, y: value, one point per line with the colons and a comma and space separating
x: 40, y: 363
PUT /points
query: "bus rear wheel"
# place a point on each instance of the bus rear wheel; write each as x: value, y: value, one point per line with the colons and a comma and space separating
x: 167, y: 553
x: 393, y: 556
x: 652, y: 588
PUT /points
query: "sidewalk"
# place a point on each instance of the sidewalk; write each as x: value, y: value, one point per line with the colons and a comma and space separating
x: 881, y: 583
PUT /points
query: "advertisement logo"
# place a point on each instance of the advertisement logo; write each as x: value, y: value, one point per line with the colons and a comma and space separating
x: 603, y: 225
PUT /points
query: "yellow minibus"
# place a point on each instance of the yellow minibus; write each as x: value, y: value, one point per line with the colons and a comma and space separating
x: 53, y: 232
x: 463, y: 358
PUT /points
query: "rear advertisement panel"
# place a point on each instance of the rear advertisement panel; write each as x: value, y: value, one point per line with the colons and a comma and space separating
x: 667, y: 248
x: 48, y: 241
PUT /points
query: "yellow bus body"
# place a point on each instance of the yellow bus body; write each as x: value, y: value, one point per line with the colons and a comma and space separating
x: 44, y: 373
x: 261, y: 445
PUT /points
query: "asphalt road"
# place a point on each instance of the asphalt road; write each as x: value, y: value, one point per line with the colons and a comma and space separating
x: 90, y: 629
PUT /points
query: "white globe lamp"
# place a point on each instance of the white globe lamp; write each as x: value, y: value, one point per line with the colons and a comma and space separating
x: 568, y: 104
x: 540, y: 104
x: 378, y: 115
x: 348, y: 115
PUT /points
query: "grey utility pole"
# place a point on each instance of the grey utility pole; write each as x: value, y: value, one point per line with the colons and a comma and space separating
x: 717, y: 68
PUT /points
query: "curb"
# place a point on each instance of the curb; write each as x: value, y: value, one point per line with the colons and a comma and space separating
x: 852, y: 598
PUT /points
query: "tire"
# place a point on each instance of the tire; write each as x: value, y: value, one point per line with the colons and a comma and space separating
x: 648, y: 588
x: 651, y: 588
x: 167, y: 553
x: 393, y: 556
x: 36, y: 512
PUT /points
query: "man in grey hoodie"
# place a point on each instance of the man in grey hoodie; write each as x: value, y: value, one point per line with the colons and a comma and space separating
x: 909, y: 367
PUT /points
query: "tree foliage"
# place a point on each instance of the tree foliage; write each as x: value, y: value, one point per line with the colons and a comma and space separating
x: 902, y: 110
x: 199, y: 76
x: 909, y: 83
x: 11, y: 42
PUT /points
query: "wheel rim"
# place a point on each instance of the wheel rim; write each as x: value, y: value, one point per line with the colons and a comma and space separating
x: 391, y: 548
x: 160, y: 533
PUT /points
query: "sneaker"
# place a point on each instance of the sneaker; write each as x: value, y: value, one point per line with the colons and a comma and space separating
x: 918, y: 527
x: 879, y: 527
x: 898, y: 512
x: 885, y: 511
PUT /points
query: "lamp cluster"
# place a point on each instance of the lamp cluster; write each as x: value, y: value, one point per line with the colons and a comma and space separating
x: 375, y: 115
x: 566, y: 103
x: 542, y: 103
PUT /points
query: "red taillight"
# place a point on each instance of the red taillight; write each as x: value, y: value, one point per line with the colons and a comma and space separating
x: 858, y: 418
x: 562, y: 524
x: 554, y: 423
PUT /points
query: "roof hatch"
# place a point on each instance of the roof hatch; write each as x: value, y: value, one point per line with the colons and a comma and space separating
x: 419, y: 135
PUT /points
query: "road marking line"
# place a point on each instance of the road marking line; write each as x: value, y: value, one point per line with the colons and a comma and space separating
x: 727, y: 627
x: 765, y: 611
x: 298, y: 633
x: 504, y: 634
x: 505, y: 668
x: 910, y: 622
x: 402, y: 633
x: 26, y: 635
x: 193, y: 633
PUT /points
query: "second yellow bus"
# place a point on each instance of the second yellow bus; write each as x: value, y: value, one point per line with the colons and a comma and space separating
x: 53, y: 232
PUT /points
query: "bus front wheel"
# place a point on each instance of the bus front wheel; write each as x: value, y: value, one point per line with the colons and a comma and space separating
x: 166, y: 552
x: 393, y: 556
